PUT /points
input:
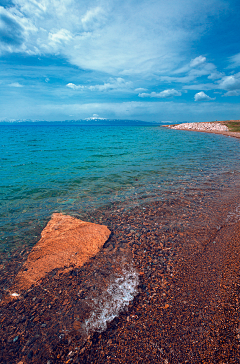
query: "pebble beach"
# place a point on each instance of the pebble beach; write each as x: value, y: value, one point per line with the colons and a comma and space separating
x: 206, y: 127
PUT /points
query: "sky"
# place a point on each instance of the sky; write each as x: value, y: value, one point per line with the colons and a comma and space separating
x: 152, y: 60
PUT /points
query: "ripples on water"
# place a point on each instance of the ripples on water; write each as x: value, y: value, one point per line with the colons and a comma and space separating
x: 75, y: 169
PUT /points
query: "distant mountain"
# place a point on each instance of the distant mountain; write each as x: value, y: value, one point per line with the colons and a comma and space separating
x: 86, y: 122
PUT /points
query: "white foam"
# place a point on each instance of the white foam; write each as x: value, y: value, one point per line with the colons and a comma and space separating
x: 15, y: 294
x: 121, y: 290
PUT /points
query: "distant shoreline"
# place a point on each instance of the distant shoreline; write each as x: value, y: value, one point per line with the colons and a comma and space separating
x: 205, y: 127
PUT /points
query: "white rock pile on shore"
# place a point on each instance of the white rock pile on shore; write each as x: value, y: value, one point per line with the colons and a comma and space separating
x: 201, y: 126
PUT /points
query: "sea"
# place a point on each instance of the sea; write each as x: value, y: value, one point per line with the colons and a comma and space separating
x: 120, y: 166
x: 74, y: 169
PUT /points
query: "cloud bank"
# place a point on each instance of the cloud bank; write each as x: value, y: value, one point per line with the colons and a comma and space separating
x: 116, y: 37
x: 61, y: 58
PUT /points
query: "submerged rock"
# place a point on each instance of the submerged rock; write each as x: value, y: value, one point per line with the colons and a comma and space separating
x: 65, y: 242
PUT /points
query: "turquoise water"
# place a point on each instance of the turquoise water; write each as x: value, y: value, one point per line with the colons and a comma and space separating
x: 69, y: 168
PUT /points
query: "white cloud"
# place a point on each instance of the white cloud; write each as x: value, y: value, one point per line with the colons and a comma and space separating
x: 62, y: 35
x: 201, y: 96
x: 93, y: 18
x: 232, y: 93
x: 15, y: 84
x: 215, y: 75
x: 227, y: 83
x: 119, y: 83
x: 230, y: 82
x: 197, y: 61
x: 162, y: 94
x: 191, y: 73
x: 234, y: 61
x: 15, y: 28
x: 113, y: 84
x: 116, y: 37
x: 75, y: 87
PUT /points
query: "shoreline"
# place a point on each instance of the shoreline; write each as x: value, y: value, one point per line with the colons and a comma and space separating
x: 185, y: 300
x: 185, y: 249
x: 213, y: 131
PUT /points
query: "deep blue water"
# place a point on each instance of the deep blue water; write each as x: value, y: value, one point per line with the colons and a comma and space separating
x: 48, y: 168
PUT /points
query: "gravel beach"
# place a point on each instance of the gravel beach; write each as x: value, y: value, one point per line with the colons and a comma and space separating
x: 185, y: 250
x: 206, y: 127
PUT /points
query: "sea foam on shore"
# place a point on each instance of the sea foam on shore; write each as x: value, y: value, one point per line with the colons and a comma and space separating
x: 121, y: 290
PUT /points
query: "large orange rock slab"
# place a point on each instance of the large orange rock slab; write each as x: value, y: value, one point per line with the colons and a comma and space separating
x: 65, y: 242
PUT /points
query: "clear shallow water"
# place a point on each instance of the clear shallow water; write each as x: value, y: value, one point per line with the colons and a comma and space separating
x: 69, y: 168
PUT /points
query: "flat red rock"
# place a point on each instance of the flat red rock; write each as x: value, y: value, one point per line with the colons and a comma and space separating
x: 65, y: 242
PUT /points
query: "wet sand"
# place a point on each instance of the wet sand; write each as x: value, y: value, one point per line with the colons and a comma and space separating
x: 186, y: 251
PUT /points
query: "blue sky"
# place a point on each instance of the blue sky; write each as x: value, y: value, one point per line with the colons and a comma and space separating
x: 152, y: 60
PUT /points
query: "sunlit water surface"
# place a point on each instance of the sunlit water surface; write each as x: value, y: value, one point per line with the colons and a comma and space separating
x: 72, y: 168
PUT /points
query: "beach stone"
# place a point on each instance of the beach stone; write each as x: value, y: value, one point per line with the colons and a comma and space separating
x: 65, y: 242
x: 77, y: 325
x: 204, y: 126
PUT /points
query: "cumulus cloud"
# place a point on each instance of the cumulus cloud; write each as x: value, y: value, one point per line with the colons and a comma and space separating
x: 226, y: 83
x: 113, y: 84
x: 230, y: 82
x: 162, y: 94
x: 196, y: 64
x: 201, y: 96
x: 75, y: 87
